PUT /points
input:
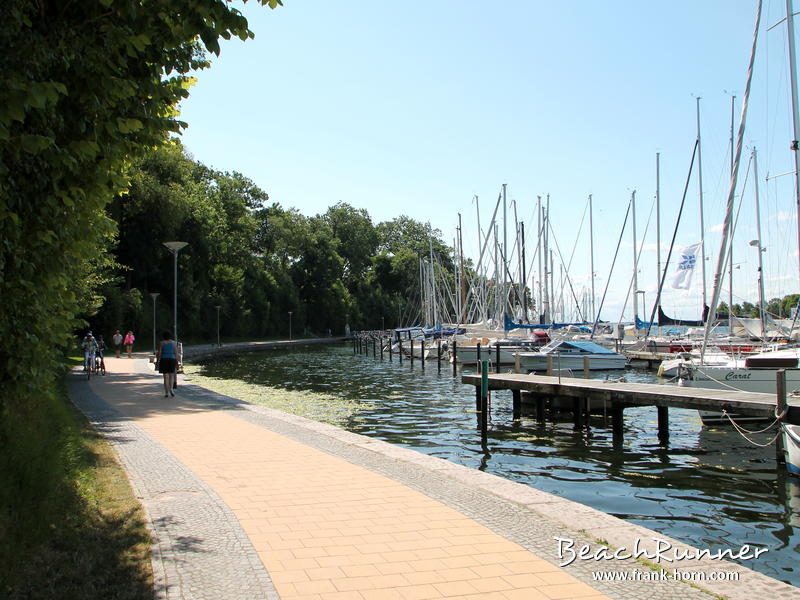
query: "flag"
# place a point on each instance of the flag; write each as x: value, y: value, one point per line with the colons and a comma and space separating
x: 682, y: 280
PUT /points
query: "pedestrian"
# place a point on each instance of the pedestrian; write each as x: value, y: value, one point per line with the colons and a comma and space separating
x: 89, y: 346
x: 128, y: 342
x: 116, y: 339
x: 167, y: 360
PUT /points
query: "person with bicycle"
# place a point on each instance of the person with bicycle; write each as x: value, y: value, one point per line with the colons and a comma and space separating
x: 89, y: 346
x: 101, y: 348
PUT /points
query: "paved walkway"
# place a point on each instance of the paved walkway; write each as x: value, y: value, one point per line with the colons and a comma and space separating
x: 248, y: 502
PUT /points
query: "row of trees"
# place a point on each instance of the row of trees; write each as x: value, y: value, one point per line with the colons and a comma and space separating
x: 254, y: 259
x: 779, y: 308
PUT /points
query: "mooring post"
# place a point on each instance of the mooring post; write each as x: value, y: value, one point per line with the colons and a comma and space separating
x: 439, y: 355
x: 517, y: 365
x: 586, y: 367
x: 454, y: 358
x: 381, y: 348
x: 780, y: 388
x: 577, y: 412
x: 400, y: 350
x: 616, y: 419
x: 540, y: 408
x: 484, y: 397
x: 497, y: 359
x: 516, y: 403
x: 550, y: 365
x: 478, y: 355
x: 412, y: 351
x: 374, y: 349
x: 354, y: 346
x: 663, y: 424
x: 422, y: 353
x: 389, y: 346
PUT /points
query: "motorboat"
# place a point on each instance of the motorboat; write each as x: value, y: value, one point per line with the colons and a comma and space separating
x: 791, y: 447
x: 466, y: 350
x: 570, y: 354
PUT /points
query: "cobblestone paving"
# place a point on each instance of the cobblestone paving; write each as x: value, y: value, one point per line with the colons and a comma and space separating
x: 200, y: 551
x: 515, y: 512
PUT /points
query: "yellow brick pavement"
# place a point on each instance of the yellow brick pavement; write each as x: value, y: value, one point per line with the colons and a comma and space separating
x: 326, y: 529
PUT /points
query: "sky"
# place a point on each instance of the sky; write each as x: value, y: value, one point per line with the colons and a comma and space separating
x: 417, y: 108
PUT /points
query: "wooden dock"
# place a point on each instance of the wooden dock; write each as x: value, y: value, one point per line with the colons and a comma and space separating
x: 615, y: 396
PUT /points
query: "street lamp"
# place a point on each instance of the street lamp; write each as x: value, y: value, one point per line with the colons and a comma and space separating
x: 290, y: 325
x: 218, y: 344
x: 175, y: 247
x: 154, y: 295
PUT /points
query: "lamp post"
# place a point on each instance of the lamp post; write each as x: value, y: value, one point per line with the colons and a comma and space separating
x: 218, y: 344
x: 290, y: 325
x: 154, y: 295
x: 175, y: 247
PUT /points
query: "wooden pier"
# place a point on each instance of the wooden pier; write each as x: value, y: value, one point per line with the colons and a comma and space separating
x: 615, y: 396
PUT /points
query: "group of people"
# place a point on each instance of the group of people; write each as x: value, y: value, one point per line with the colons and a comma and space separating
x: 166, y: 355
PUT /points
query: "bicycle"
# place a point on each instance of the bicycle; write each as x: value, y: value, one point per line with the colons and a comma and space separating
x: 89, y: 361
x: 99, y: 363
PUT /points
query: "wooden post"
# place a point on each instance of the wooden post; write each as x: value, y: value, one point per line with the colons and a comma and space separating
x: 616, y: 419
x: 484, y: 398
x: 577, y: 413
x: 586, y: 367
x: 478, y: 356
x: 422, y: 353
x: 516, y: 402
x: 780, y: 388
x: 381, y: 348
x: 439, y: 355
x: 412, y: 351
x: 354, y: 346
x: 374, y: 349
x: 478, y: 401
x: 540, y: 408
x: 400, y: 350
x: 497, y: 359
x: 389, y: 344
x: 549, y: 365
x: 663, y: 424
x: 455, y: 357
x: 517, y: 366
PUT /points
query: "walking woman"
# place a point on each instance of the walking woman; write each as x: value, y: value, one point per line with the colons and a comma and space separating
x: 167, y: 362
x: 128, y: 341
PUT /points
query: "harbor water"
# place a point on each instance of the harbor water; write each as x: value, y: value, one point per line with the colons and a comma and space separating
x: 708, y: 487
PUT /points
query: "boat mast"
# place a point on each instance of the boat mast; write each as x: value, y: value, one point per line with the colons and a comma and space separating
x: 539, y: 304
x: 732, y: 189
x: 635, y: 263
x: 795, y: 115
x: 463, y: 290
x: 504, y: 256
x: 546, y: 292
x: 591, y: 253
x: 524, y: 283
x: 730, y: 235
x: 702, y: 216
x: 760, y: 251
x: 658, y: 229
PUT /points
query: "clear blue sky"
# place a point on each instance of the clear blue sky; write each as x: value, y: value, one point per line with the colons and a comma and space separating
x: 414, y: 108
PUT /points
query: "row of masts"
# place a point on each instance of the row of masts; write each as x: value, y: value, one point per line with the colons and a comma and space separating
x: 493, y: 289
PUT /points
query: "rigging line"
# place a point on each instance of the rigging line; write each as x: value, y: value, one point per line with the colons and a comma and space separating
x: 672, y: 242
x: 613, y: 262
x: 569, y: 280
x: 578, y: 236
x: 636, y: 265
x: 735, y: 172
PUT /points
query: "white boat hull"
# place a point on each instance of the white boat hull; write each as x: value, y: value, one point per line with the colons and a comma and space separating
x: 538, y: 362
x: 791, y: 447
x: 745, y: 380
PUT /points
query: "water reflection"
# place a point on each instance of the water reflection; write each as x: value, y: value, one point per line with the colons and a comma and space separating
x: 707, y: 486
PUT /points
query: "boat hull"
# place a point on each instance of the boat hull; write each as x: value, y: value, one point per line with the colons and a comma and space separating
x: 745, y: 380
x: 791, y: 447
x: 538, y: 362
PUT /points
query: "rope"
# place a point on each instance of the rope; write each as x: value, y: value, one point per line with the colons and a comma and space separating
x: 744, y: 432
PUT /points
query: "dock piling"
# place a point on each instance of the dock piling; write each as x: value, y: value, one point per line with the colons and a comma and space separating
x: 484, y: 397
x: 516, y: 402
x: 586, y: 367
x: 439, y: 355
x: 663, y: 424
x: 422, y: 353
x: 454, y: 358
x: 400, y: 350
x: 412, y: 351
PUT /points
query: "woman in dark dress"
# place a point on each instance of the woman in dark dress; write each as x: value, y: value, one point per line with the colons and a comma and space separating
x: 167, y: 356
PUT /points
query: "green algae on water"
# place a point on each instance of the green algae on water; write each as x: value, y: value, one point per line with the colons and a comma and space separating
x: 316, y: 406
